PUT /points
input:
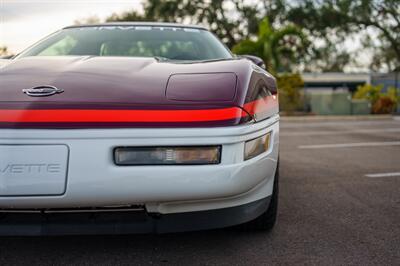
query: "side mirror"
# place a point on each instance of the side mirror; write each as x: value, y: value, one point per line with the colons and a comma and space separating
x: 256, y: 60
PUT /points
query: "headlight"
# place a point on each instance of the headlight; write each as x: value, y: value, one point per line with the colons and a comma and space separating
x: 167, y: 155
x: 255, y: 147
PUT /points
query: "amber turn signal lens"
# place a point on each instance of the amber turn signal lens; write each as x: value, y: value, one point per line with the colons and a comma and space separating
x: 257, y: 146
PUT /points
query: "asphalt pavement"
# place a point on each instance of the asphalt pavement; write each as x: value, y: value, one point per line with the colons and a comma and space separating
x: 339, y: 205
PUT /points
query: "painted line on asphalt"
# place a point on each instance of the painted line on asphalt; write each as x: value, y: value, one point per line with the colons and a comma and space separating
x: 350, y: 145
x: 358, y: 131
x: 383, y: 175
x: 287, y: 124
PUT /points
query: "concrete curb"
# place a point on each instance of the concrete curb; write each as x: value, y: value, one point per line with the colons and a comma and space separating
x: 319, y: 118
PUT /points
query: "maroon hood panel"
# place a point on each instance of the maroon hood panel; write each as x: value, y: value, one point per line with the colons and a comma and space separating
x: 92, y: 84
x: 101, y: 79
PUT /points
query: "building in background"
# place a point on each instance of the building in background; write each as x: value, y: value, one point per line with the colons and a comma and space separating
x: 331, y: 93
x: 387, y: 80
x: 334, y: 81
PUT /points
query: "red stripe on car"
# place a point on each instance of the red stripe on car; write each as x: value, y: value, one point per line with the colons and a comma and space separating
x: 135, y: 116
x: 261, y: 105
x: 65, y: 115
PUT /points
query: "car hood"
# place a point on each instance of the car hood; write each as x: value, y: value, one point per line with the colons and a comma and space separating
x: 122, y: 81
x: 125, y: 92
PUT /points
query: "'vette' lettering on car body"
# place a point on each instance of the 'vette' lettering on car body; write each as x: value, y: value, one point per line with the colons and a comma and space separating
x: 30, y: 168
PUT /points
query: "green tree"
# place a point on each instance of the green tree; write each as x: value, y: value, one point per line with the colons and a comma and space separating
x: 279, y: 48
x: 290, y: 97
x: 337, y: 20
x: 326, y: 58
x: 328, y: 24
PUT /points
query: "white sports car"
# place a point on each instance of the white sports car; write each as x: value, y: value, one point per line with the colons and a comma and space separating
x: 136, y: 128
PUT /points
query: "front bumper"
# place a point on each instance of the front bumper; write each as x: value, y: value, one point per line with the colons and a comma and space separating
x: 95, y: 181
x: 129, y: 222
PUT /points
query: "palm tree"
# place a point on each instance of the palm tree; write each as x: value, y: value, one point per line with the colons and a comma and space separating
x: 279, y: 48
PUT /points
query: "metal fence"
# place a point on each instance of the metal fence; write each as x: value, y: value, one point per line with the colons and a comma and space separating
x: 335, y: 103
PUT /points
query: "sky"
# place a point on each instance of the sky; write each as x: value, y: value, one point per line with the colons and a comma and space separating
x: 24, y: 22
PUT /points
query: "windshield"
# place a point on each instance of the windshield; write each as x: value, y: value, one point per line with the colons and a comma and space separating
x: 172, y: 43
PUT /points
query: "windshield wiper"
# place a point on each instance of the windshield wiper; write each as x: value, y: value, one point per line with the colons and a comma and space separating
x: 162, y: 59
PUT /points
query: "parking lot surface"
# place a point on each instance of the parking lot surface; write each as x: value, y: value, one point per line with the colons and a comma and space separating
x: 339, y: 205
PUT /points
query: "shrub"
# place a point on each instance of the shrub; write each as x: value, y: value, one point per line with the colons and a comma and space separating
x: 392, y: 93
x: 290, y: 97
x: 368, y: 92
x: 382, y: 103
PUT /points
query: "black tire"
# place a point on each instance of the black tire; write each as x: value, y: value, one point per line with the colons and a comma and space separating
x: 267, y: 220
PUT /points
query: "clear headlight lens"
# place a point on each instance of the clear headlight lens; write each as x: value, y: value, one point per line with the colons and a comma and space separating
x: 167, y: 155
x: 255, y: 147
